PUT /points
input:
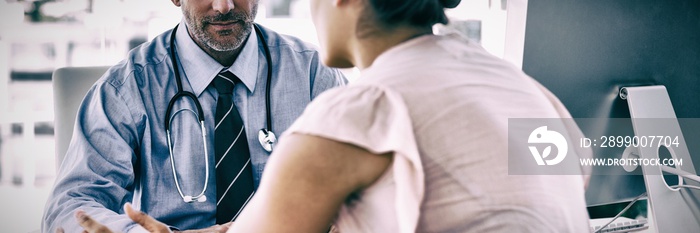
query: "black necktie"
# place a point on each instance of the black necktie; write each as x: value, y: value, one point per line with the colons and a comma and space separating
x: 234, y: 173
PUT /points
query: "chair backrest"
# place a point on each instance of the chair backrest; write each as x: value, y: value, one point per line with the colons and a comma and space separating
x: 70, y: 84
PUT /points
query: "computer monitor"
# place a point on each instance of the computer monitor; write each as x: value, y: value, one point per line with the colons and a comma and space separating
x: 585, y: 51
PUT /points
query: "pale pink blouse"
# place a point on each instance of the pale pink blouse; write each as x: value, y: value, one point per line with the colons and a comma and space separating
x: 441, y: 104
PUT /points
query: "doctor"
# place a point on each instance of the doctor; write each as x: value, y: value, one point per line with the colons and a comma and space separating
x: 182, y: 128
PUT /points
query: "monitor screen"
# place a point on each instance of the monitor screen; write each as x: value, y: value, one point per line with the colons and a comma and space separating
x: 585, y: 51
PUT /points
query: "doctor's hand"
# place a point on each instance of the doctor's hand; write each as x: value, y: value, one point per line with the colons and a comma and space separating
x: 150, y: 224
x: 91, y: 226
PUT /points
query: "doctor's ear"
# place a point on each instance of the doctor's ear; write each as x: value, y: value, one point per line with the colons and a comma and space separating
x: 176, y: 2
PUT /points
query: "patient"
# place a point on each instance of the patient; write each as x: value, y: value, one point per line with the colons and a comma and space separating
x: 417, y: 144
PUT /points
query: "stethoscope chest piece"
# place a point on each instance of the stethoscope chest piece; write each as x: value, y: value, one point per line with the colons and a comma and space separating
x: 267, y: 139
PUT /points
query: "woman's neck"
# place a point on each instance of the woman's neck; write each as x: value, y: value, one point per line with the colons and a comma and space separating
x: 367, y: 48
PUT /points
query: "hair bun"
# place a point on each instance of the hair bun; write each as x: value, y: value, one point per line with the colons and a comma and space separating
x: 449, y: 3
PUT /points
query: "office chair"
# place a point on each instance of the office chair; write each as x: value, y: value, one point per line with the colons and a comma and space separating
x: 70, y: 84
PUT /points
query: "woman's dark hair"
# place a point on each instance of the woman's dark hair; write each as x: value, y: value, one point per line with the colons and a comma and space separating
x: 417, y: 13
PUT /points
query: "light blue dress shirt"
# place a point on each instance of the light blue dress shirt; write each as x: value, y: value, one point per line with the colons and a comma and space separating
x: 119, y: 151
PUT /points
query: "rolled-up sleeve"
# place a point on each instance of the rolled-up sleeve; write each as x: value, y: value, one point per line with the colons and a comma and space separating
x: 376, y: 119
x: 97, y: 175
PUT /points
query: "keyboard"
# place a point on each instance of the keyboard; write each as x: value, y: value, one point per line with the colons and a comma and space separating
x: 620, y: 225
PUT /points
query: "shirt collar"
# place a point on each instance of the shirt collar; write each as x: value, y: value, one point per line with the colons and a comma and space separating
x: 200, y: 68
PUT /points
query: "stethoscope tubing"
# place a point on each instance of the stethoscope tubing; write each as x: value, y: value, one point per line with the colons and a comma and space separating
x: 200, y: 114
x: 181, y: 92
x: 268, y: 85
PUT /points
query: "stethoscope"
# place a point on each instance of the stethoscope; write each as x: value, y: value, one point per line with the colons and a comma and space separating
x: 266, y: 136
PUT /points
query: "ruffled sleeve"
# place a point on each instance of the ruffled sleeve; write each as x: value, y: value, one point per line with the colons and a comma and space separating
x: 376, y: 119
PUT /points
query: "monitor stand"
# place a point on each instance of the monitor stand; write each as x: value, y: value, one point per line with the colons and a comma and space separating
x: 674, y: 210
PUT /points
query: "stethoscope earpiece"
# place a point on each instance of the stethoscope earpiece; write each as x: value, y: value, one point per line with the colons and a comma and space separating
x: 190, y: 199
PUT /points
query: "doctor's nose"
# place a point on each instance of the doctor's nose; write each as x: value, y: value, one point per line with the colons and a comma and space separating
x: 223, y: 6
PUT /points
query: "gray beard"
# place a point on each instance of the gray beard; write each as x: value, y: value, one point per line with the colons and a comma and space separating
x: 197, y: 30
x: 210, y: 42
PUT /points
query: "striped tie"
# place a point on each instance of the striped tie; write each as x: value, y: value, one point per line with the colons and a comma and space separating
x: 234, y: 174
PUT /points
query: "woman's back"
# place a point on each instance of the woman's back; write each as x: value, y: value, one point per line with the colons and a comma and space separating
x: 459, y: 99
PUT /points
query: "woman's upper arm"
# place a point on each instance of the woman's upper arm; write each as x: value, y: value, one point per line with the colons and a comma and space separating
x: 306, y: 181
